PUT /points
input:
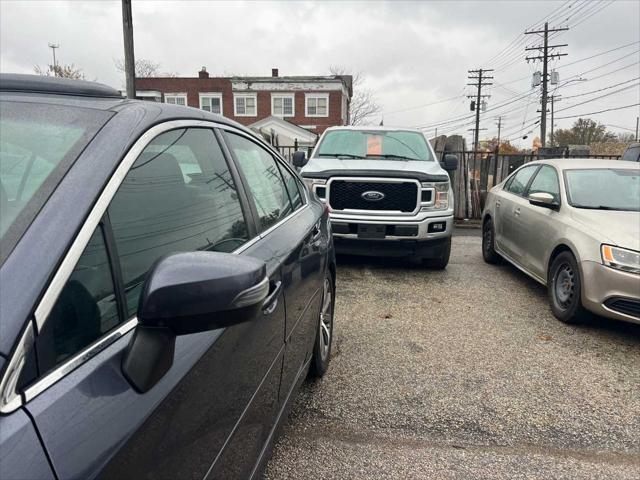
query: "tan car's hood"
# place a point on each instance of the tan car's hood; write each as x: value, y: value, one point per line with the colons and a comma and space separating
x: 614, y: 227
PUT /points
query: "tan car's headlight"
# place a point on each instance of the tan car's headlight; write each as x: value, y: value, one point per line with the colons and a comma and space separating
x: 621, y: 258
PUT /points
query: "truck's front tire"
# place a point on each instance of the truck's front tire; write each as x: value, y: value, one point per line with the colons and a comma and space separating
x: 441, y: 262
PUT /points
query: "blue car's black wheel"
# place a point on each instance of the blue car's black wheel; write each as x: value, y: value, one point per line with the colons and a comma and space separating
x: 324, y: 332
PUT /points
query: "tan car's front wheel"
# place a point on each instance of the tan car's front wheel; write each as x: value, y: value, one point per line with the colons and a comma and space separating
x: 564, y: 287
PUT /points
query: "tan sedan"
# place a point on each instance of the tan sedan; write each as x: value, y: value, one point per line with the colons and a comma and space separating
x: 574, y: 226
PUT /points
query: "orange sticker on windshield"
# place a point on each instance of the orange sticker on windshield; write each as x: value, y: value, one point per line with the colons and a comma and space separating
x: 374, y: 145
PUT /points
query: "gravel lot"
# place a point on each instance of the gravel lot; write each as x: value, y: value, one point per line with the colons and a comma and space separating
x: 463, y: 374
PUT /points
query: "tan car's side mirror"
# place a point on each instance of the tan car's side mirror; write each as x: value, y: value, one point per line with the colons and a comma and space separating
x: 544, y: 200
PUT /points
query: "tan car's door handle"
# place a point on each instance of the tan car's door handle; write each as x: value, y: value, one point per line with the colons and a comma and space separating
x: 497, y: 203
x: 516, y: 212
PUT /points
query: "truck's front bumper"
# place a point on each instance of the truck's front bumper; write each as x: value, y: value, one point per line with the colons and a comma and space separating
x: 417, y: 249
x: 394, y: 236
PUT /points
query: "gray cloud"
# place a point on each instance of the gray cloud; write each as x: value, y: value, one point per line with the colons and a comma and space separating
x: 412, y: 53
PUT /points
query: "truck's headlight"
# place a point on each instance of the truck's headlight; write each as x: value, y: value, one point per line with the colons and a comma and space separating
x: 441, y: 192
x: 621, y: 258
x: 314, y: 182
x: 442, y: 196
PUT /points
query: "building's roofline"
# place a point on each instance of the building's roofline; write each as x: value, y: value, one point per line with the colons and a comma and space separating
x: 293, y: 78
x: 183, y: 78
x: 330, y: 78
x: 346, y: 80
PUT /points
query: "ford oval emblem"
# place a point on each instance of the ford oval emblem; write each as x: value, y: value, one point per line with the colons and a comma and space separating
x: 372, y: 196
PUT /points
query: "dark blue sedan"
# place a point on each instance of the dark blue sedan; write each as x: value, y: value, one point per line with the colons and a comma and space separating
x: 166, y: 284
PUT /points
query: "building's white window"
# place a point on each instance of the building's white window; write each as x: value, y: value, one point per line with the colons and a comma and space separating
x: 175, y: 98
x: 244, y: 105
x: 317, y: 104
x: 211, y: 102
x: 283, y: 105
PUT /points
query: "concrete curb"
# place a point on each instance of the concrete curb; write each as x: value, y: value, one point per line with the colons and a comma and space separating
x: 470, y: 224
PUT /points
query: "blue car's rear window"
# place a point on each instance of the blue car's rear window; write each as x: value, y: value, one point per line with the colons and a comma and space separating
x: 38, y: 143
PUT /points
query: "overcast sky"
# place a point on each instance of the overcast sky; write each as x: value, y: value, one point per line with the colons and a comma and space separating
x: 412, y: 54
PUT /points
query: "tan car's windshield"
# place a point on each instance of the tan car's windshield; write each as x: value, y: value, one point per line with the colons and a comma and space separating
x: 604, y: 188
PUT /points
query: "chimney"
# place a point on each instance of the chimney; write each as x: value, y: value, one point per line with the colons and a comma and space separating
x: 203, y: 73
x: 274, y: 72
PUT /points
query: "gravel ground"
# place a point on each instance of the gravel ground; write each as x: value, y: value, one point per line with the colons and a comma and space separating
x: 463, y: 373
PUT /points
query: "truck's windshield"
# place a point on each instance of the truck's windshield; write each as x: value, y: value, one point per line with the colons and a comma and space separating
x: 370, y: 144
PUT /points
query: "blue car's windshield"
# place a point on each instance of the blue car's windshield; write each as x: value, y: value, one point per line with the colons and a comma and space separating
x: 37, y: 143
x: 371, y: 144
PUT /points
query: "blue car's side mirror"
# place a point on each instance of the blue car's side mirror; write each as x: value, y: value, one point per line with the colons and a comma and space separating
x: 188, y: 293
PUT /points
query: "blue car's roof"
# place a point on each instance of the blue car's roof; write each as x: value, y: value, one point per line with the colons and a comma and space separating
x: 80, y: 93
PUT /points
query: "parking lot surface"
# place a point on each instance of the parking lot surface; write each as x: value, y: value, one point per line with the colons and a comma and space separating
x: 463, y: 373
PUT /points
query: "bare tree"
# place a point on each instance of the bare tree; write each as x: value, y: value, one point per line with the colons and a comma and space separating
x: 363, y: 104
x: 64, y: 71
x: 145, y: 68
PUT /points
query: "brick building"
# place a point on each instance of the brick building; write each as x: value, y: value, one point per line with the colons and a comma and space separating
x: 287, y: 108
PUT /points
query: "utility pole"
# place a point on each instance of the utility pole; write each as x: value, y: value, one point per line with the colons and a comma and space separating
x: 129, y: 59
x: 53, y: 47
x: 546, y: 56
x: 497, y: 153
x: 553, y: 140
x: 481, y: 82
x: 637, y: 124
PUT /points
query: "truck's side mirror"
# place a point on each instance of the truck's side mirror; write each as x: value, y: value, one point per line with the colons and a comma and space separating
x: 185, y: 293
x: 299, y: 159
x: 450, y: 162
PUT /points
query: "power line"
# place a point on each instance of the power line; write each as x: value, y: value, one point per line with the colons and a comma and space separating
x: 508, y: 82
x: 601, y: 53
x: 600, y: 111
x: 599, y: 97
x: 524, y: 96
x: 503, y: 84
x: 604, y: 64
x: 514, y: 45
x: 425, y: 104
x: 584, y: 19
x: 600, y: 89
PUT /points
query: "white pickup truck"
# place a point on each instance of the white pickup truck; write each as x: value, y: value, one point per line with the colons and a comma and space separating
x: 387, y: 194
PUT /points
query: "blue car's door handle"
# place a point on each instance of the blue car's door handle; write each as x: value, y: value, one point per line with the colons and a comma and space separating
x: 271, y: 302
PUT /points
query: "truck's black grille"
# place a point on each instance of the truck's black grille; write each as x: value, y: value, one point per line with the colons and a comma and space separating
x: 627, y: 306
x: 400, y: 196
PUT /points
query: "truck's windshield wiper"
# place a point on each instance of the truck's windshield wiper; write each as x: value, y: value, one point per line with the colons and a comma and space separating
x: 339, y: 155
x: 391, y: 155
